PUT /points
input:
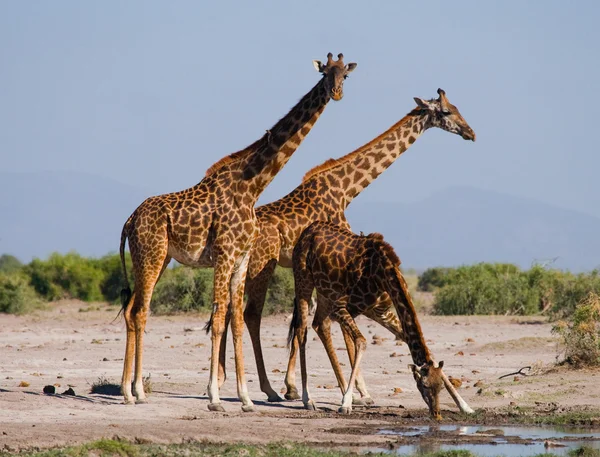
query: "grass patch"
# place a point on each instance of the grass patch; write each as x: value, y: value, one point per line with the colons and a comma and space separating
x: 118, y: 448
x: 104, y: 386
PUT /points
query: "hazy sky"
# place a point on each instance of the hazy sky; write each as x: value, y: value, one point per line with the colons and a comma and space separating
x: 152, y: 93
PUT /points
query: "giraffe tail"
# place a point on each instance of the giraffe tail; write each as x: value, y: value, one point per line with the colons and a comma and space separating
x: 126, y: 291
x: 293, y: 323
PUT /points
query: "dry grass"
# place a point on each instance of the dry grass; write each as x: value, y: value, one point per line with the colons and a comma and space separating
x: 104, y: 386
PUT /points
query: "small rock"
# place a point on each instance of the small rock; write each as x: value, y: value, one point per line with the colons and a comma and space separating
x: 460, y: 353
x: 470, y: 340
x: 394, y: 354
x: 49, y: 389
x: 397, y: 390
x: 516, y: 378
x: 23, y: 384
x: 478, y: 384
x: 105, y: 359
x: 69, y: 391
x: 455, y: 382
x: 276, y: 370
x: 549, y: 443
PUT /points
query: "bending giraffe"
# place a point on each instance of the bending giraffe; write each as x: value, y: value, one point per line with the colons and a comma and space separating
x: 324, y: 194
x: 350, y: 273
x: 214, y: 224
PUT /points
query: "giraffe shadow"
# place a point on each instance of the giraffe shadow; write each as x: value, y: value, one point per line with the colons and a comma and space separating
x: 99, y: 401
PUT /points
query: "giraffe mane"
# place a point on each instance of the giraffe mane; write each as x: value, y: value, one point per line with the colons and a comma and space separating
x: 231, y: 158
x: 332, y: 163
x: 389, y: 252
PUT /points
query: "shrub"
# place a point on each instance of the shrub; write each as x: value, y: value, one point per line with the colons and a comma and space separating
x: 433, y: 278
x: 9, y: 264
x: 487, y: 289
x: 183, y: 289
x: 112, y: 281
x: 63, y: 276
x: 280, y: 296
x: 581, y: 333
x: 16, y: 295
x: 566, y: 290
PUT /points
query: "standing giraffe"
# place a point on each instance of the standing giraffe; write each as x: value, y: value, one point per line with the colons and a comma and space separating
x: 350, y: 273
x: 214, y: 224
x: 324, y: 194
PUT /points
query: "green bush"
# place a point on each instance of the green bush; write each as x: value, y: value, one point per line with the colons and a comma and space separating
x: 487, y: 289
x: 432, y: 279
x: 581, y: 333
x: 9, y: 264
x: 566, y: 290
x: 183, y: 289
x: 66, y: 276
x: 280, y: 296
x: 16, y: 295
x: 112, y: 282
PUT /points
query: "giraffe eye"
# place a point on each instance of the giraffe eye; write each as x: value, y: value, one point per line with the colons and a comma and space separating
x: 445, y: 112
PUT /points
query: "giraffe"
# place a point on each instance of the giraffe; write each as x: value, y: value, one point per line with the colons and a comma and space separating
x: 214, y: 224
x: 350, y: 272
x: 324, y: 194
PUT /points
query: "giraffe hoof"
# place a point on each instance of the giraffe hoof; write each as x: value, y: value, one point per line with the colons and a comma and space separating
x: 248, y: 408
x: 292, y: 395
x: 141, y: 401
x: 216, y: 407
x: 345, y: 410
x: 310, y: 406
x: 368, y: 401
x: 129, y: 402
x: 274, y: 398
x: 358, y: 402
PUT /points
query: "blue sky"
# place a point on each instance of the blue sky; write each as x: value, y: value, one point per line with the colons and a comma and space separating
x: 152, y: 93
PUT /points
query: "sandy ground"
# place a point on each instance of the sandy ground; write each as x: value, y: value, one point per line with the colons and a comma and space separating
x: 71, y: 347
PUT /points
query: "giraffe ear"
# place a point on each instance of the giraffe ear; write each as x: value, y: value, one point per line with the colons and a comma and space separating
x: 350, y: 67
x: 424, y: 104
x: 441, y: 364
x: 318, y: 66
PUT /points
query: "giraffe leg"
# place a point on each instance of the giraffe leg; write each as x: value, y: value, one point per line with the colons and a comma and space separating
x: 322, y: 325
x: 384, y: 314
x: 256, y: 289
x: 360, y: 384
x: 360, y: 344
x: 237, y: 328
x: 223, y: 351
x: 222, y: 275
x: 290, y: 375
x: 301, y: 333
x: 136, y: 315
x: 128, y: 398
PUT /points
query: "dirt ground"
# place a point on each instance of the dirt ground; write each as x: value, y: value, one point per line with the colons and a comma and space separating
x: 73, y: 345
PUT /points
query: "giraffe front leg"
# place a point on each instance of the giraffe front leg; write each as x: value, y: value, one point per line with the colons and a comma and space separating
x: 222, y: 276
x: 360, y: 345
x: 237, y: 328
x: 360, y: 384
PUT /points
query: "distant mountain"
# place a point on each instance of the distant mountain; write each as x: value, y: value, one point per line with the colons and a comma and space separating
x: 465, y: 225
x: 61, y: 211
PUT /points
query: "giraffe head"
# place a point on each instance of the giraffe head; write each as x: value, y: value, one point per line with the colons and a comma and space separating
x: 446, y: 116
x: 429, y: 382
x: 334, y: 72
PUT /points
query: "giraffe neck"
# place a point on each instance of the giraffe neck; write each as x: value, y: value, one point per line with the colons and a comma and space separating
x: 405, y: 308
x: 255, y: 167
x: 356, y: 170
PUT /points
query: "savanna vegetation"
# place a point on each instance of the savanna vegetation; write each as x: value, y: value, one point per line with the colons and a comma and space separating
x: 484, y: 288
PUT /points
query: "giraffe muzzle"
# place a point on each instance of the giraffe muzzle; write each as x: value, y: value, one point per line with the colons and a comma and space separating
x: 336, y: 94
